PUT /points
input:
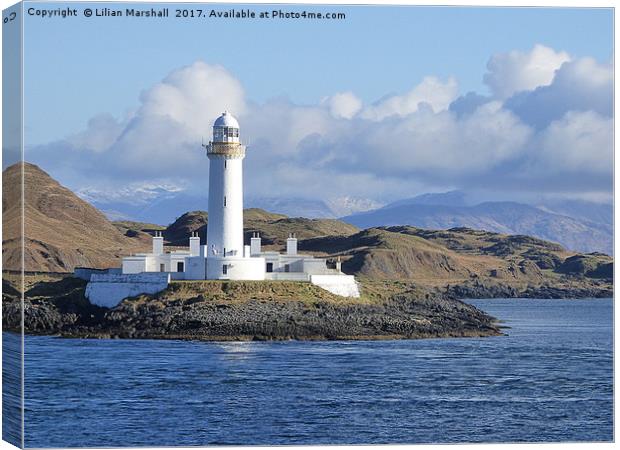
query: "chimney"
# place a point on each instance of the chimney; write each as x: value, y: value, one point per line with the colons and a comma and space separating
x: 255, y: 244
x: 194, y: 244
x: 291, y: 244
x: 158, y: 243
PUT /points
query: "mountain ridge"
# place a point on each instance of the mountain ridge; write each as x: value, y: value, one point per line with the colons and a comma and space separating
x: 502, y: 217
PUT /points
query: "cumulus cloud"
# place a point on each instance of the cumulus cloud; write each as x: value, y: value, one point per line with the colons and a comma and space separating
x: 469, y: 103
x: 343, y: 105
x: 579, y: 142
x: 423, y: 140
x: 163, y: 134
x: 516, y: 71
x: 579, y: 85
x: 193, y: 95
x: 431, y: 92
x: 101, y: 132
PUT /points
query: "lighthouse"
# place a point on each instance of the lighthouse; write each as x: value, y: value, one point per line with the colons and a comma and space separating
x: 227, y: 257
x: 225, y: 152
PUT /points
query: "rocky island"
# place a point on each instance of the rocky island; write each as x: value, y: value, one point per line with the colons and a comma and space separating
x: 411, y: 279
x: 244, y: 310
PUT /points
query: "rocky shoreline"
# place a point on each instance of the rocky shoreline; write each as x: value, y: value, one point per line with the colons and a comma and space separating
x: 225, y: 311
x: 228, y: 311
x: 477, y: 289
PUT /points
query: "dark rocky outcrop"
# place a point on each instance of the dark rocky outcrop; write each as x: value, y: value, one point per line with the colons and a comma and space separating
x: 478, y: 289
x: 593, y: 265
x: 246, y: 311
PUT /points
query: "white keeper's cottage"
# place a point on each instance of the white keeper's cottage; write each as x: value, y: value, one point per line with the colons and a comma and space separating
x: 224, y: 257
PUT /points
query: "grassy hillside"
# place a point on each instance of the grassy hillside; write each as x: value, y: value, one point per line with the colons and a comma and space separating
x: 439, y: 258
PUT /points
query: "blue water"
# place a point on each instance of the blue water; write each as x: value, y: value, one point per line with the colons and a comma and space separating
x: 550, y: 379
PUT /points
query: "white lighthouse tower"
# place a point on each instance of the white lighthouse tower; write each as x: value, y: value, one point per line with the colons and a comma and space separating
x: 227, y: 257
x: 224, y: 257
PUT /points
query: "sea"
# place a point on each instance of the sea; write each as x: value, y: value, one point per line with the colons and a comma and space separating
x: 549, y: 379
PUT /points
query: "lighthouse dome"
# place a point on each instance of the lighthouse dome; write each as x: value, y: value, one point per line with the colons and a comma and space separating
x: 226, y: 120
x: 226, y: 129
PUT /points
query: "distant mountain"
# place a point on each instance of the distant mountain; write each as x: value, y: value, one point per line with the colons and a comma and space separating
x: 164, y: 203
x: 451, y: 198
x: 292, y: 207
x: 152, y: 204
x: 581, y: 209
x: 502, y: 217
x: 343, y: 206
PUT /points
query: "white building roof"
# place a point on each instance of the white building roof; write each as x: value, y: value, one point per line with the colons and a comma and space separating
x: 226, y: 120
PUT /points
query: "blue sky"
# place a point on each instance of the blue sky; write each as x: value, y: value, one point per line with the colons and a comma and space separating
x: 391, y: 102
x: 76, y: 68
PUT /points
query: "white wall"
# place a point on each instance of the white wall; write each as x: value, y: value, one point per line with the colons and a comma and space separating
x: 135, y: 264
x: 343, y: 285
x: 287, y: 276
x: 316, y: 266
x: 238, y: 268
x: 110, y: 289
x: 196, y: 268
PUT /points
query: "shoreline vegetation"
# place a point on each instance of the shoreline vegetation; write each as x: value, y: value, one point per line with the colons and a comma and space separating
x: 274, y: 310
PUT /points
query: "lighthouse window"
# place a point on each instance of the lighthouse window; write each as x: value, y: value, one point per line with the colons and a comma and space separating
x: 225, y: 269
x: 224, y: 200
x: 224, y: 164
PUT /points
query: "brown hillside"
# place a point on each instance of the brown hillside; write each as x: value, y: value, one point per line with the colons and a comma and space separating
x: 460, y: 255
x: 273, y: 228
x: 61, y: 230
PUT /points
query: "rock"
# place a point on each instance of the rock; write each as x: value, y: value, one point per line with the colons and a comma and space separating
x: 247, y: 311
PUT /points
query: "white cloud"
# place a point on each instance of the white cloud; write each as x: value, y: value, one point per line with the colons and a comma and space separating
x: 516, y: 71
x: 164, y: 134
x: 581, y: 142
x: 193, y: 95
x: 430, y: 91
x: 343, y: 105
x: 338, y: 147
x: 101, y: 132
x: 441, y: 145
x: 579, y: 85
